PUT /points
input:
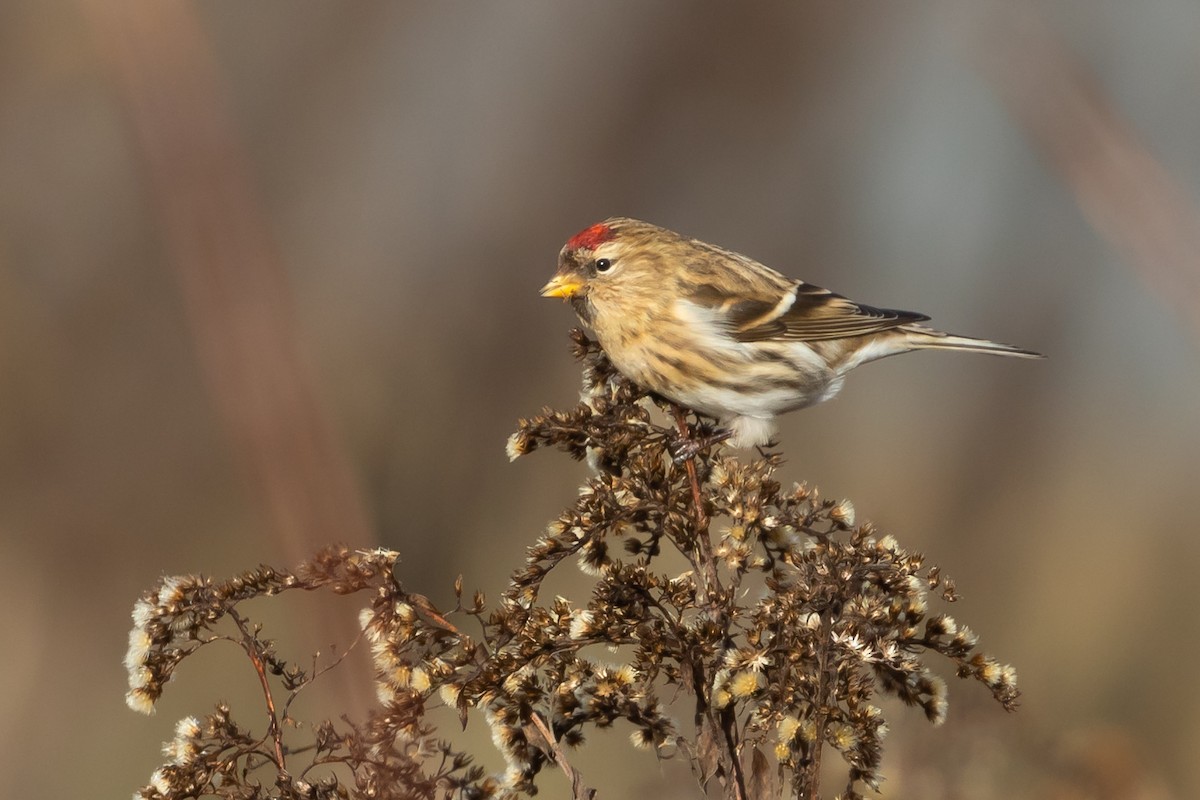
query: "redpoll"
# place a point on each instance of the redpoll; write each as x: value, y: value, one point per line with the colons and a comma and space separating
x: 723, y: 335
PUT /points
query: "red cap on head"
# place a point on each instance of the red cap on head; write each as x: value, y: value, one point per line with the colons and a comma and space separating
x: 591, y: 238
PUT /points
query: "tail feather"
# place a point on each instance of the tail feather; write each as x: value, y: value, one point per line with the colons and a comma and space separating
x: 928, y: 339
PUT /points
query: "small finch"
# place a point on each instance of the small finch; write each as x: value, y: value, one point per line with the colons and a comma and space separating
x: 722, y: 334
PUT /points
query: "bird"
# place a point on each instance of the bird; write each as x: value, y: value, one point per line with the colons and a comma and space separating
x: 723, y: 335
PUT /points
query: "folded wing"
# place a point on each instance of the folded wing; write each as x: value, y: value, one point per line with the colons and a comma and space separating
x: 798, y: 312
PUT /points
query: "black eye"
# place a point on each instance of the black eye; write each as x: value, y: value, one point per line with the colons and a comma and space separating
x: 603, y: 265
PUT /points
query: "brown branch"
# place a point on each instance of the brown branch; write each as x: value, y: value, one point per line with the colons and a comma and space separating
x: 250, y: 645
x: 729, y: 732
x: 317, y: 672
x: 722, y: 728
x: 690, y: 466
x: 811, y: 788
x: 423, y: 604
x: 726, y: 725
x: 578, y: 790
x: 712, y: 579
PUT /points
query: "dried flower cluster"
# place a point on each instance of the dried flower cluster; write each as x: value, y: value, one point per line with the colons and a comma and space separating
x: 765, y: 651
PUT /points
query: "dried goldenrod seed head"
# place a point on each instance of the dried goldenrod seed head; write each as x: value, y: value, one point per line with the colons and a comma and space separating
x: 517, y: 445
x: 757, y: 614
x: 743, y: 684
x: 141, y: 700
x: 939, y: 701
x: 843, y: 514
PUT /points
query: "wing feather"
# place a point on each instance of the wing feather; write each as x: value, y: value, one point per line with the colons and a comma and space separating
x: 801, y: 312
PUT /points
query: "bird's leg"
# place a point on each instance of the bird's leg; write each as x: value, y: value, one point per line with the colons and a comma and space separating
x: 686, y: 447
x: 764, y: 450
x: 710, y: 587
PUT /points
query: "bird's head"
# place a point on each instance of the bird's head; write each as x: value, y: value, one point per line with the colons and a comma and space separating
x: 609, y: 260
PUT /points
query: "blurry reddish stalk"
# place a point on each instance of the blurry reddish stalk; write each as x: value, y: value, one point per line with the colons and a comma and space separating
x: 1121, y: 188
x: 235, y: 288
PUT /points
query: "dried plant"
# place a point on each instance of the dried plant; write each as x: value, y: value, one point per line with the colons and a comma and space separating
x: 756, y: 660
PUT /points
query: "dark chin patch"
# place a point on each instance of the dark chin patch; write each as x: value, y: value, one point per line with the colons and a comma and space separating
x: 583, y: 309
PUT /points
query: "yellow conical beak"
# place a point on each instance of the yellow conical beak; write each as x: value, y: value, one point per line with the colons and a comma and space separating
x: 564, y: 286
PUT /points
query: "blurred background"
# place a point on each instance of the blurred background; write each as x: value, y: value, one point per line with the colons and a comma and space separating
x: 268, y: 279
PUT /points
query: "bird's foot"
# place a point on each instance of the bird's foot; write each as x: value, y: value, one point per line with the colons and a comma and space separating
x: 684, y: 448
x: 764, y: 450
